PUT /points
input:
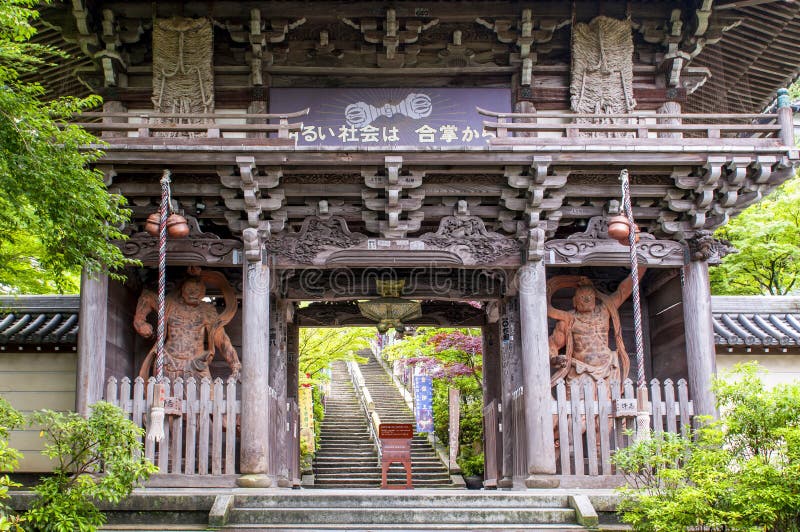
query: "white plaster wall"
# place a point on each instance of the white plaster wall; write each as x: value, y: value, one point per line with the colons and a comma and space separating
x: 34, y: 381
x: 781, y: 368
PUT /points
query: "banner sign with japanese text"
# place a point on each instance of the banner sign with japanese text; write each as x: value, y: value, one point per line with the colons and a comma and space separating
x: 306, y: 407
x: 385, y: 118
x: 423, y: 402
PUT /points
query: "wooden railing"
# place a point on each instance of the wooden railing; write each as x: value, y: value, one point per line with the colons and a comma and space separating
x: 183, y: 125
x: 635, y: 128
x: 539, y: 128
x: 588, y: 432
x: 200, y: 428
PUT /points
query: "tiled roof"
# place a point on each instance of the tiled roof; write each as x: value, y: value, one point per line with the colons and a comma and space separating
x: 760, y: 321
x: 39, y: 320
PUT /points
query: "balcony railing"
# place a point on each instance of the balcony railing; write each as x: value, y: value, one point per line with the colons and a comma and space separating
x: 506, y: 129
x: 182, y: 127
x: 636, y: 128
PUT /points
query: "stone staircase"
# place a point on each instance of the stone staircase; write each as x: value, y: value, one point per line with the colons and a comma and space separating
x: 427, y: 469
x: 347, y: 458
x: 398, y: 510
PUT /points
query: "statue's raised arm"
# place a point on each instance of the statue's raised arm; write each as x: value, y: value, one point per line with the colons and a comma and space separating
x: 624, y: 290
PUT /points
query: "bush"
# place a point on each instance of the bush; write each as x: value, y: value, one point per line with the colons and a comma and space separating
x: 98, y: 458
x: 9, y: 458
x: 741, y: 473
x: 471, y: 463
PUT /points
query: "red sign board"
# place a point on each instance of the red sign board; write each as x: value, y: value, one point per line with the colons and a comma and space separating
x: 396, y: 431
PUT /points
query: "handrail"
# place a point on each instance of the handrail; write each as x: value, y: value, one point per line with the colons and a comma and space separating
x: 367, y: 404
x: 145, y: 123
x: 148, y: 114
x: 408, y: 398
x: 523, y: 128
x: 633, y: 114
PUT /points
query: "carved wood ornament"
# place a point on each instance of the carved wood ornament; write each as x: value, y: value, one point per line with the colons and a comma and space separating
x: 460, y: 239
x: 199, y: 248
x: 183, y: 76
x: 469, y: 233
x: 594, y: 247
x: 602, y: 68
x: 316, y: 236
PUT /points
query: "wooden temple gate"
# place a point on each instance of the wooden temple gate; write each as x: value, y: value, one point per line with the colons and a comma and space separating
x: 308, y: 163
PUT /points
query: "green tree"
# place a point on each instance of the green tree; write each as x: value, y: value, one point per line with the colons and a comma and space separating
x: 56, y: 214
x: 320, y: 347
x: 766, y: 235
x: 9, y: 459
x: 99, y: 458
x: 454, y: 358
x: 742, y: 473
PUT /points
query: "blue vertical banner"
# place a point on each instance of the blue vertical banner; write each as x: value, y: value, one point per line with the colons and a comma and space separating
x: 423, y: 402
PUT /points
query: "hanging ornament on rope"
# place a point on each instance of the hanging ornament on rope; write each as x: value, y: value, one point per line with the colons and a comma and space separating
x: 155, y: 427
x: 631, y: 234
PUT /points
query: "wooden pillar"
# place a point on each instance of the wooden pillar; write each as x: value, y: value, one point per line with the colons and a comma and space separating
x: 277, y: 380
x: 292, y: 393
x: 670, y: 108
x: 511, y: 352
x: 292, y: 360
x: 114, y: 107
x: 258, y: 105
x: 700, y: 354
x: 92, y: 331
x: 536, y: 375
x: 254, y: 450
x: 785, y: 118
x: 492, y: 394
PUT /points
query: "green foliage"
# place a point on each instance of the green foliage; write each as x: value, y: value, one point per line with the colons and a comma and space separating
x: 742, y: 473
x: 471, y: 463
x: 441, y: 345
x: 98, y: 458
x: 320, y: 347
x: 9, y: 458
x: 766, y: 235
x: 56, y: 215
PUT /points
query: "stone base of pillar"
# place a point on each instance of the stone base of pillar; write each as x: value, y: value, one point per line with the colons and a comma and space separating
x: 505, y: 483
x: 254, y: 481
x: 542, y: 482
x: 284, y: 482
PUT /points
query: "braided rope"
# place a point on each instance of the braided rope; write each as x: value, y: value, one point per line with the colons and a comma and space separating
x: 162, y: 273
x: 637, y: 305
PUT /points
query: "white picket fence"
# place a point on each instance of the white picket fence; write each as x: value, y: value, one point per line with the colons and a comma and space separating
x: 200, y: 429
x: 588, y: 431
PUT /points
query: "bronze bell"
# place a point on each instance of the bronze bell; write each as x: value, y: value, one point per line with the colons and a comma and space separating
x: 177, y: 226
x: 619, y: 229
x: 151, y: 225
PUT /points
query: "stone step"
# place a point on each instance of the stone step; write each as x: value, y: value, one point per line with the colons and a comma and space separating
x: 407, y: 515
x: 347, y: 457
x: 366, y: 527
x: 359, y: 482
x: 335, y: 458
x: 397, y: 478
x: 334, y: 468
x: 383, y: 499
